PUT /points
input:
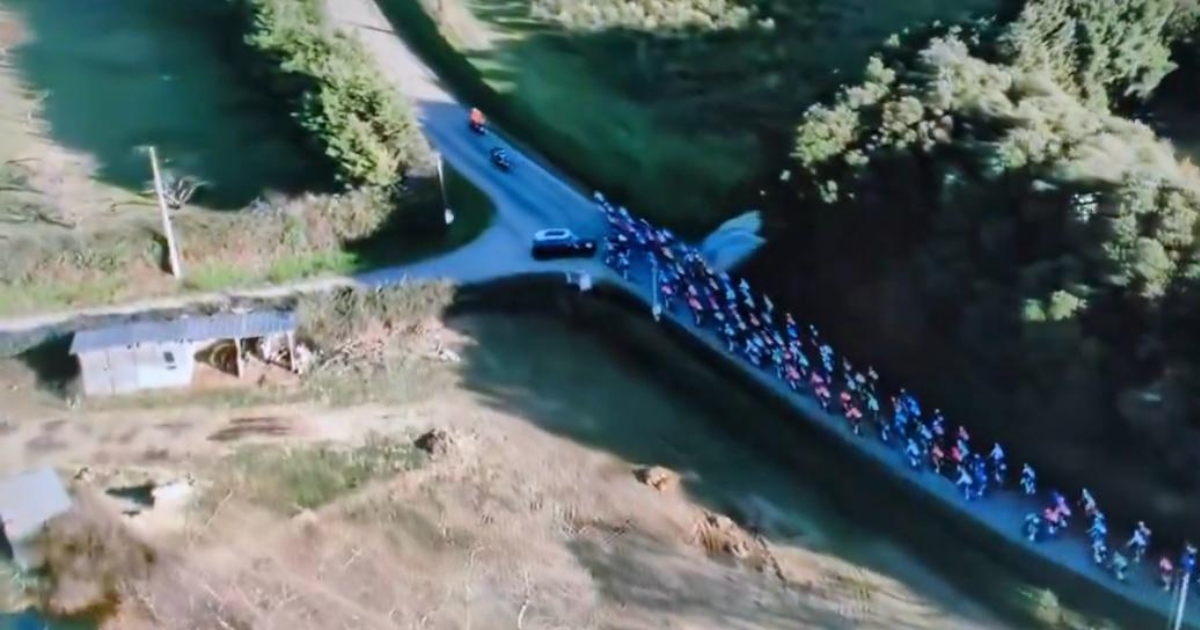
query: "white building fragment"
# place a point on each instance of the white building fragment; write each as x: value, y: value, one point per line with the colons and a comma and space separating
x: 28, y: 500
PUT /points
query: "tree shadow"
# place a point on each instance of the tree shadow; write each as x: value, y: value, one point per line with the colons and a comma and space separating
x: 118, y: 75
x: 663, y: 407
x: 633, y: 578
x: 416, y: 227
x: 685, y: 122
x: 53, y: 366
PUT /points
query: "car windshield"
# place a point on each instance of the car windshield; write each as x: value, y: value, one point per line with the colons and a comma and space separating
x: 559, y: 234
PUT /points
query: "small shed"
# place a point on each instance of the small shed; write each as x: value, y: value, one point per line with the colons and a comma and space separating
x: 160, y: 354
x: 28, y: 500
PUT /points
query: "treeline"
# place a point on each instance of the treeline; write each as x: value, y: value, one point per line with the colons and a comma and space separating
x: 997, y: 227
x: 354, y: 115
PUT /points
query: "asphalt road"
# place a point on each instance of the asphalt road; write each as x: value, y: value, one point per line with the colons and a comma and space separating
x: 532, y: 197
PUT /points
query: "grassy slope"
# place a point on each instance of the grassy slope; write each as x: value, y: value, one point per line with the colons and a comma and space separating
x: 125, y: 265
x: 679, y: 137
x: 473, y: 214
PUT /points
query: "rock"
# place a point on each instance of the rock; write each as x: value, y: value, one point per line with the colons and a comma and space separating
x: 721, y: 523
x: 173, y: 493
x: 436, y: 442
x: 657, y: 477
x: 308, y: 522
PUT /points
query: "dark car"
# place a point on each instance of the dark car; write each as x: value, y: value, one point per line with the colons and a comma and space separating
x: 562, y: 243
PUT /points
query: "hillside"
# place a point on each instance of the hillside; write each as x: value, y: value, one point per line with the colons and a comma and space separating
x: 1011, y: 221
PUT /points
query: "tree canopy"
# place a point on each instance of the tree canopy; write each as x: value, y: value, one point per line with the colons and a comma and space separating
x: 1041, y: 232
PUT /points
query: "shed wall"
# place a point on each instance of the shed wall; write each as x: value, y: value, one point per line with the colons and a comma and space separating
x: 126, y: 369
x: 122, y: 368
x: 93, y: 370
x: 155, y: 371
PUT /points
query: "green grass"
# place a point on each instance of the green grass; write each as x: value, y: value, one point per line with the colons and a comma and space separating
x: 392, y: 246
x: 672, y: 174
x: 289, y: 480
x: 98, y: 274
x: 35, y: 296
x: 473, y: 210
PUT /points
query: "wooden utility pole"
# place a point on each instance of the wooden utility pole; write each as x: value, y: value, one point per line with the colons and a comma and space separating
x: 172, y: 251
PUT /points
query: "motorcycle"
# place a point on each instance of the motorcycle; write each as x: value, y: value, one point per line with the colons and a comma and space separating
x: 500, y: 160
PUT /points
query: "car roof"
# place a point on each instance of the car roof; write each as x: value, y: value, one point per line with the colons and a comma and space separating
x: 553, y: 233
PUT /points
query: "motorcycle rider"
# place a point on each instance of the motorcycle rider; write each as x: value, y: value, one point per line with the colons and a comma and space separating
x: 499, y: 156
x: 475, y: 119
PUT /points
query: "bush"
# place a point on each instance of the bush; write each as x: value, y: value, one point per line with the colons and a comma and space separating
x: 329, y: 320
x: 352, y: 112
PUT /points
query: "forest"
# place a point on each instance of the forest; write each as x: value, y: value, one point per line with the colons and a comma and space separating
x: 1004, y: 212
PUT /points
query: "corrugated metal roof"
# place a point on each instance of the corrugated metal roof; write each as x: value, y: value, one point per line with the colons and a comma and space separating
x: 29, y: 499
x: 186, y: 328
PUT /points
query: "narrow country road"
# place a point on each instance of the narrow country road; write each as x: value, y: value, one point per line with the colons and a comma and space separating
x: 531, y: 197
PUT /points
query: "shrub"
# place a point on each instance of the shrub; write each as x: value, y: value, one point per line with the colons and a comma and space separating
x: 351, y: 111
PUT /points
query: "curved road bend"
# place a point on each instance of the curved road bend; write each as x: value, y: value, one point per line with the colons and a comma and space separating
x: 532, y: 197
